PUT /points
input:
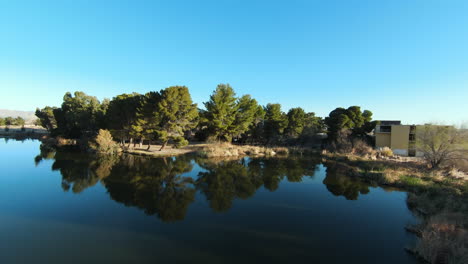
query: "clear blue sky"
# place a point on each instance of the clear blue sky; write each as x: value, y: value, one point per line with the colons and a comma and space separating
x: 403, y: 59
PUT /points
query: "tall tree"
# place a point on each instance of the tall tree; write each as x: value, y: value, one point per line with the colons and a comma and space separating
x: 255, y: 132
x: 221, y: 112
x: 297, y: 119
x: 79, y: 115
x: 275, y: 123
x: 352, y: 119
x: 47, y: 118
x: 177, y: 113
x: 245, y: 116
x: 121, y: 115
x: 147, y: 118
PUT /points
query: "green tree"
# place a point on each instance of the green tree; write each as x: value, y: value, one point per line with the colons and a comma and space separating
x: 121, y: 115
x: 177, y: 114
x: 19, y: 121
x: 358, y: 123
x: 9, y: 121
x: 2, y: 121
x: 147, y: 118
x: 47, y: 118
x: 79, y: 115
x: 297, y: 119
x: 248, y: 111
x: 255, y: 132
x: 275, y: 123
x: 221, y: 112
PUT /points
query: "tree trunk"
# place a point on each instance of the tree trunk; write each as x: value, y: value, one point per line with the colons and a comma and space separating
x: 141, y: 142
x: 163, y: 145
x: 149, y: 145
x: 130, y: 142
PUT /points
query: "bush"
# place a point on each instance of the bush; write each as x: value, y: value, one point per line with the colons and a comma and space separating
x: 180, y: 142
x: 444, y: 239
x: 103, y: 143
x: 362, y: 148
x: 386, y: 152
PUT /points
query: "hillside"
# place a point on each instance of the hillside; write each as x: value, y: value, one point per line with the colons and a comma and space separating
x: 27, y: 115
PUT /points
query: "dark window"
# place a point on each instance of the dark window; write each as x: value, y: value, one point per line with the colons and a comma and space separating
x: 412, y: 137
x: 385, y: 129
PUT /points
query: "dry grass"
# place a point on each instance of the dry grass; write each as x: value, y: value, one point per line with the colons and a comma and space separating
x: 362, y: 148
x: 168, y: 151
x: 229, y: 150
x: 444, y: 239
x: 386, y: 152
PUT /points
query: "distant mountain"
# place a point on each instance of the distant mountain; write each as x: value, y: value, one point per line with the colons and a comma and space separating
x: 27, y: 115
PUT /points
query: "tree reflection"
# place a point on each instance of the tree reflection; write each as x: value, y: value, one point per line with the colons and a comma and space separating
x: 162, y: 187
x: 340, y: 184
x: 224, y: 181
x: 154, y: 185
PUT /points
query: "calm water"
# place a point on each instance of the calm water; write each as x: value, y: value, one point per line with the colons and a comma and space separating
x: 65, y: 207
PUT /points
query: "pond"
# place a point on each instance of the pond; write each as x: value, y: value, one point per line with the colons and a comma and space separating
x: 69, y: 207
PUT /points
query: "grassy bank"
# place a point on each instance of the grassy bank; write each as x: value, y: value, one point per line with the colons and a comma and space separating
x: 439, y: 197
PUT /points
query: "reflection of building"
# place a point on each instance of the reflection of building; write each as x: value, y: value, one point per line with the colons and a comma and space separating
x: 400, y: 138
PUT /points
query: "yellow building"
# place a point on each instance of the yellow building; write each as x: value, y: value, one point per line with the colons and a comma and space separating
x: 400, y: 138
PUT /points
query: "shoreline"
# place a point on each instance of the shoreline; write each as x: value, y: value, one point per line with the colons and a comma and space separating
x: 439, y: 198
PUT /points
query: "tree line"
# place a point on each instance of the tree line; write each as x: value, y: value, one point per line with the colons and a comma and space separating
x: 12, y: 121
x: 170, y: 116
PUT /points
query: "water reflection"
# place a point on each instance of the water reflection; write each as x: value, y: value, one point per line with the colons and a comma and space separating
x: 165, y: 187
x: 339, y: 184
x: 154, y: 185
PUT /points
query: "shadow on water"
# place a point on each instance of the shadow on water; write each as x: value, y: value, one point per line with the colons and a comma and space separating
x: 162, y: 186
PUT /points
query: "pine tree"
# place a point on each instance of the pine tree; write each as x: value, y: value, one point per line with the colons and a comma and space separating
x: 275, y: 123
x: 221, y: 112
x: 147, y: 118
x: 296, y: 122
x: 121, y: 115
x: 247, y: 110
x: 177, y: 113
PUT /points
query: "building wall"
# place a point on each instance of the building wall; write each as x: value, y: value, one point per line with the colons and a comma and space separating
x: 400, y: 139
x: 383, y: 140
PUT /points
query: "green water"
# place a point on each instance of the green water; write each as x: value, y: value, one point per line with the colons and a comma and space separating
x: 67, y: 207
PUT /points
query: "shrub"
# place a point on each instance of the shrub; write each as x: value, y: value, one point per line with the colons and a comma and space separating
x: 441, y: 144
x: 180, y: 142
x: 361, y: 148
x: 386, y: 152
x: 444, y: 239
x: 411, y: 181
x: 103, y: 143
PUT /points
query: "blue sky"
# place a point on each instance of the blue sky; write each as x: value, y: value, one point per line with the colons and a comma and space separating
x: 403, y: 59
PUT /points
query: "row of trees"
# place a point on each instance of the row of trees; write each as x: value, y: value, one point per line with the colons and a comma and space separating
x: 11, y: 121
x: 170, y: 116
